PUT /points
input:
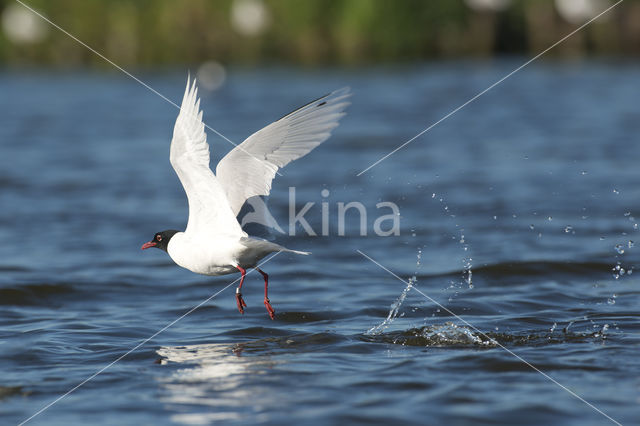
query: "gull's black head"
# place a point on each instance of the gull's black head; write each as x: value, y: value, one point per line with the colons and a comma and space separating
x: 160, y: 240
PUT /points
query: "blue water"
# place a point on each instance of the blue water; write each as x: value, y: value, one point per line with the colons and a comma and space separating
x: 510, y: 214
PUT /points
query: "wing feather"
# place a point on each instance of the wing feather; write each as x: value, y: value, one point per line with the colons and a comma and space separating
x: 209, y: 209
x: 248, y: 169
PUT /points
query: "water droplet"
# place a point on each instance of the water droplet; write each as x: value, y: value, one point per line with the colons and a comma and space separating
x: 568, y: 228
x: 617, y: 271
x: 433, y: 195
x: 619, y: 248
x: 495, y: 217
x: 531, y: 227
x: 601, y: 238
x: 549, y: 218
x: 627, y: 214
x: 584, y: 172
x: 630, y: 244
x: 553, y: 327
x: 615, y: 191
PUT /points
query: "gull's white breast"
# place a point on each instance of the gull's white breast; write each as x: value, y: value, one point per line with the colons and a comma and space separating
x: 204, y: 255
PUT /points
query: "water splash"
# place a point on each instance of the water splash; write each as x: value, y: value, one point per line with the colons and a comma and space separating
x: 467, y: 274
x: 621, y: 248
x: 447, y: 334
x: 618, y: 271
x: 393, y: 312
x: 603, y: 332
x: 395, y: 306
x: 452, y: 334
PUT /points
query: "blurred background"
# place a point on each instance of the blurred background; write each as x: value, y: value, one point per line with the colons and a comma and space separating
x: 520, y: 212
x: 314, y: 32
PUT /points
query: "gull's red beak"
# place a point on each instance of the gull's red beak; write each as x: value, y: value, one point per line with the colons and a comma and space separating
x: 148, y: 245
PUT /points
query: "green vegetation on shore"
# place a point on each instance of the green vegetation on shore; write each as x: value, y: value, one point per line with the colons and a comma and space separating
x: 309, y: 32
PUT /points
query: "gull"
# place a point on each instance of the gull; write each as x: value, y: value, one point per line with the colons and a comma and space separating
x: 213, y: 242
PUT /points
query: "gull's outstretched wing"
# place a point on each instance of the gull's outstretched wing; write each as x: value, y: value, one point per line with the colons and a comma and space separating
x: 248, y: 169
x: 209, y: 209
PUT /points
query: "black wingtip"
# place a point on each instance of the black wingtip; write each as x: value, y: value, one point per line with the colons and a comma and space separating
x: 344, y: 91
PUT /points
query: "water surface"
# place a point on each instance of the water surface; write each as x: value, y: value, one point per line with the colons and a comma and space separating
x: 533, y: 189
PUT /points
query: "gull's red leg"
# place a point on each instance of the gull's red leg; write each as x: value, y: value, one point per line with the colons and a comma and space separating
x: 267, y: 304
x: 239, y: 299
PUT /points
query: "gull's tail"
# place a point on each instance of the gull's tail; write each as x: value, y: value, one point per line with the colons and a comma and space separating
x: 268, y: 246
x: 294, y: 251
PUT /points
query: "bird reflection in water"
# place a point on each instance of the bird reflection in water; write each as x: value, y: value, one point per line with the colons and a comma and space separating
x: 212, y: 381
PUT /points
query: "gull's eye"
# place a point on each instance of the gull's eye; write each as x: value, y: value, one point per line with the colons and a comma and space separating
x: 158, y: 237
